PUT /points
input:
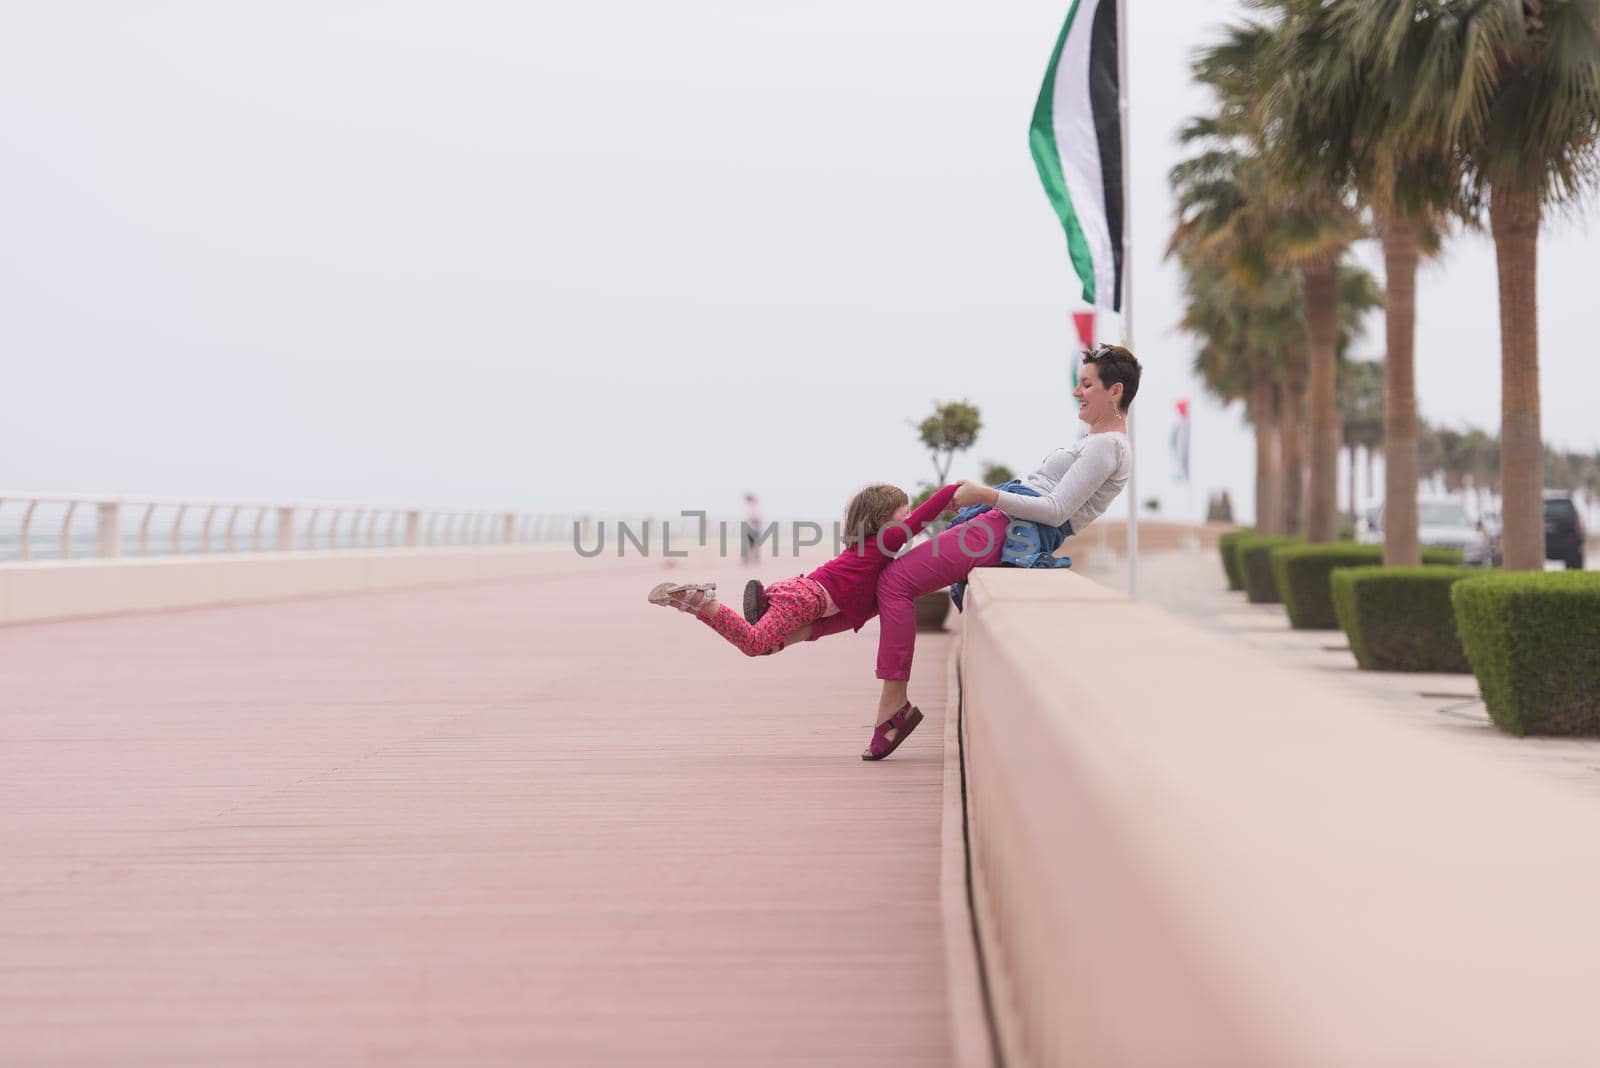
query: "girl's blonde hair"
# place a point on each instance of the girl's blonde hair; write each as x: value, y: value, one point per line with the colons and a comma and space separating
x: 870, y: 510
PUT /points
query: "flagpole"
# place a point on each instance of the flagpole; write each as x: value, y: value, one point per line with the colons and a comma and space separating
x: 1127, y: 287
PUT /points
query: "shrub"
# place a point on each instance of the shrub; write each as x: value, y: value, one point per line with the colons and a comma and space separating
x: 1255, y: 565
x: 1401, y: 618
x: 1301, y: 574
x: 1227, y: 545
x: 1533, y: 639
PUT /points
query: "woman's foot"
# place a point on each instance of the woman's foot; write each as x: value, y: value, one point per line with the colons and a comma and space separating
x: 755, y: 601
x: 696, y: 598
x: 892, y: 731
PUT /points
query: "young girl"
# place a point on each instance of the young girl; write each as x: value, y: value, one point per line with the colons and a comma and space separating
x: 880, y: 521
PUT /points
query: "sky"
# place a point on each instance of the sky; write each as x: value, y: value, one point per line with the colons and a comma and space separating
x: 630, y: 258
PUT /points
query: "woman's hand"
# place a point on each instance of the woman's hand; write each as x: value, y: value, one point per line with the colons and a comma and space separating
x: 968, y: 494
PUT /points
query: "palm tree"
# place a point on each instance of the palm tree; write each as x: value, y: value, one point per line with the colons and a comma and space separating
x: 1562, y: 470
x: 1243, y: 331
x: 1522, y: 80
x: 1505, y: 93
x: 1358, y: 294
x: 1351, y: 113
x: 1483, y: 463
x: 1225, y: 369
x: 1429, y: 459
x: 1361, y: 413
x: 1211, y: 189
x: 1248, y: 334
x: 1305, y: 223
x: 1532, y: 141
x: 1454, y: 461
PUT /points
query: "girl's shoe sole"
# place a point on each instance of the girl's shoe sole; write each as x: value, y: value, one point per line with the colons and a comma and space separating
x: 752, y: 602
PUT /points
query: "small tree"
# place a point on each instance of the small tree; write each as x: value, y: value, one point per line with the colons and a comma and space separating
x: 952, y: 428
x: 996, y: 474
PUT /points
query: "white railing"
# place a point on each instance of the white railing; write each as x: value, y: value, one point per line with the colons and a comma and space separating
x: 57, y: 526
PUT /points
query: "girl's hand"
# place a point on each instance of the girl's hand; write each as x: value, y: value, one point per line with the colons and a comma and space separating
x: 966, y: 494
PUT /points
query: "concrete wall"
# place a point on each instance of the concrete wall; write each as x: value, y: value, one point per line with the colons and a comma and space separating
x: 1155, y: 535
x: 65, y: 589
x: 1184, y: 855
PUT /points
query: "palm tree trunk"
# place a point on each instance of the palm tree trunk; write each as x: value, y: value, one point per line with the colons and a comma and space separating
x: 1400, y: 253
x: 1291, y: 444
x: 1264, y: 414
x: 1322, y: 332
x: 1278, y: 489
x: 1514, y: 221
x: 1269, y: 480
x: 1350, y: 450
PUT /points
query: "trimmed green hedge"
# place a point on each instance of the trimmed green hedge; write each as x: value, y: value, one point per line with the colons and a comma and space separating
x: 1533, y: 639
x: 1401, y: 618
x: 1227, y: 545
x: 1255, y: 565
x: 1301, y: 574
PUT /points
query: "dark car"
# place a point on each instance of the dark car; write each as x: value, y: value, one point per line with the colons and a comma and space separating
x: 1563, y: 531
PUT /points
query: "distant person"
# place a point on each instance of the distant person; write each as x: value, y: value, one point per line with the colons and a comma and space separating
x: 750, y: 534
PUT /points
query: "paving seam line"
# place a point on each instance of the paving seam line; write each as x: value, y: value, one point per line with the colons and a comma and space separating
x: 974, y: 1040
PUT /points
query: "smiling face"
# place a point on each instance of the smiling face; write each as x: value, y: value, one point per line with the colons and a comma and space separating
x: 1095, y: 402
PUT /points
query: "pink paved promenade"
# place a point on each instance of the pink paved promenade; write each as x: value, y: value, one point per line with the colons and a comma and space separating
x: 529, y: 823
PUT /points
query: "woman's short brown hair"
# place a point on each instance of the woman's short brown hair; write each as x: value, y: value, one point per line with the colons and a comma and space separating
x: 1114, y: 364
x: 870, y: 510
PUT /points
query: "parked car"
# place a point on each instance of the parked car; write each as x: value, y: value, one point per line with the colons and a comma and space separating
x: 1563, y: 530
x: 1441, y: 524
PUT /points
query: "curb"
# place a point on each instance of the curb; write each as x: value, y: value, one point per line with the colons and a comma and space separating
x: 971, y: 1044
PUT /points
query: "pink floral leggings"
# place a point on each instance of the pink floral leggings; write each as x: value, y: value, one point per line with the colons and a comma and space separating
x: 792, y: 603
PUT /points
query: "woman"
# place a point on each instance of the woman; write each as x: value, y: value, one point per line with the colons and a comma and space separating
x: 1075, y: 485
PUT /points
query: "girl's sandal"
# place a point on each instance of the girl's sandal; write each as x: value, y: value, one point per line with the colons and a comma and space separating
x: 691, y: 597
x: 888, y: 735
x: 755, y: 601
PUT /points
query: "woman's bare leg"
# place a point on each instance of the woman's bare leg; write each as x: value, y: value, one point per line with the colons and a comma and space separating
x: 894, y: 697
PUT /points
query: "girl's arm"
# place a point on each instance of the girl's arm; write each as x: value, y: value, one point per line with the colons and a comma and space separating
x: 1089, y: 471
x: 897, y: 534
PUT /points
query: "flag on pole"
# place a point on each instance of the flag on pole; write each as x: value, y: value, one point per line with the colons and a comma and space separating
x: 1180, y: 444
x: 1076, y: 137
x: 1084, y: 322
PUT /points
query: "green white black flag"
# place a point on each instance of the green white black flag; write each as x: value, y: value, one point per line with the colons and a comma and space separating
x: 1076, y: 137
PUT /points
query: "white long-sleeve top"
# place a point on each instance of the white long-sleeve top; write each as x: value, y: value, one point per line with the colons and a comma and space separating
x: 1077, y: 482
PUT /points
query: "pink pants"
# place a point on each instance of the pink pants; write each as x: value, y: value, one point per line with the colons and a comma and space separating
x: 791, y: 604
x: 931, y: 565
